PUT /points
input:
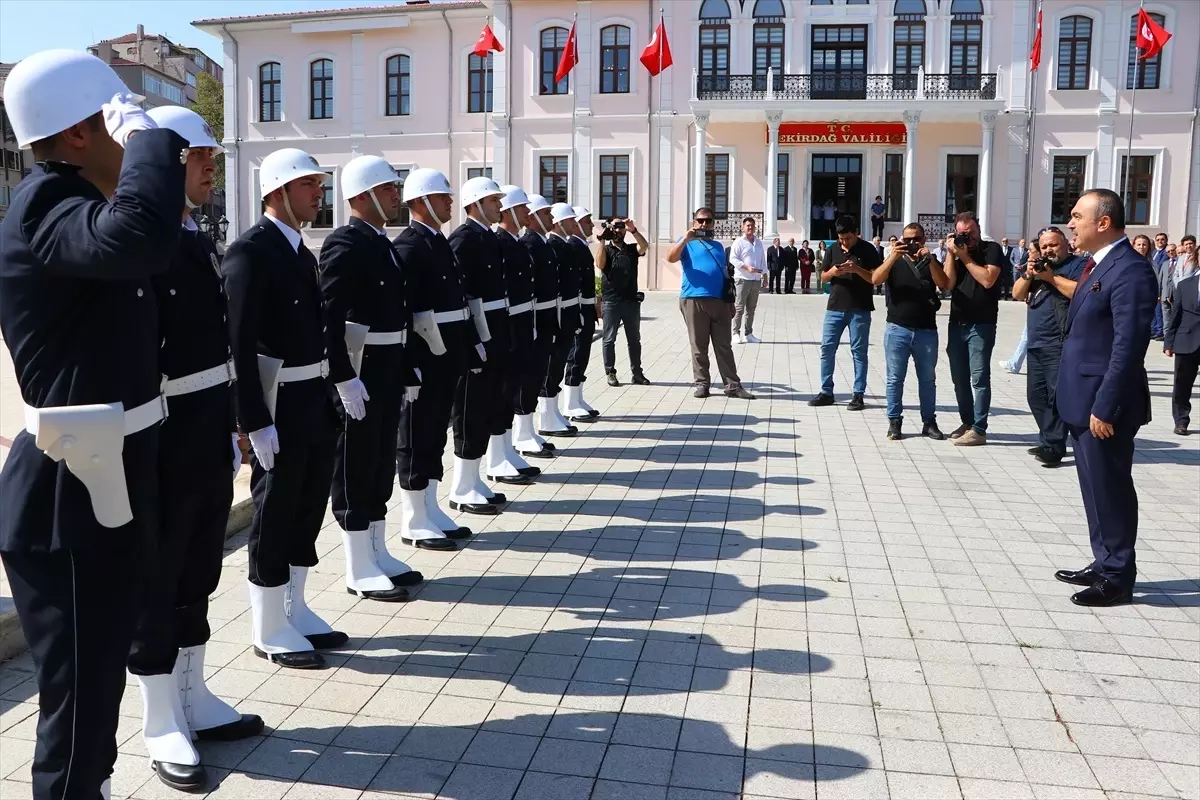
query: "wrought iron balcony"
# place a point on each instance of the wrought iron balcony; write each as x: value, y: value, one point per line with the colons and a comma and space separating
x: 847, y: 86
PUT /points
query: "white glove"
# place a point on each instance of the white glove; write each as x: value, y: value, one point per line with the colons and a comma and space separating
x: 123, y: 117
x: 482, y: 351
x: 265, y: 442
x: 237, y: 455
x: 354, y: 397
x: 411, y: 393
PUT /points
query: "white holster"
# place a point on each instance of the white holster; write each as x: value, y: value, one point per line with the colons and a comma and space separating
x: 356, y: 340
x: 90, y: 440
x: 426, y: 327
x: 268, y: 375
x: 480, y: 317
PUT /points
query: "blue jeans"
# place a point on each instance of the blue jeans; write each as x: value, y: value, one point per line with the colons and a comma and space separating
x: 1018, y: 357
x: 859, y: 323
x: 899, y: 343
x: 969, y: 349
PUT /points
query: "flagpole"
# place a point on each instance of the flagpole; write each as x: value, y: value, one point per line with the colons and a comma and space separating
x: 1030, y: 128
x: 574, y: 102
x: 662, y: 24
x: 1126, y: 188
x: 487, y: 106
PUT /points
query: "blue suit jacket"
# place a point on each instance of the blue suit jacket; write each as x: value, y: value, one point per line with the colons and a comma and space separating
x: 1103, y: 369
x: 1183, y: 330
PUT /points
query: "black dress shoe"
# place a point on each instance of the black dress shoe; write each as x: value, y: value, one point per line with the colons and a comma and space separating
x: 458, y: 533
x: 184, y: 777
x: 856, y: 403
x: 641, y: 380
x: 1049, y: 458
x: 545, y: 452
x: 513, y: 480
x: 410, y: 578
x: 529, y: 472
x: 430, y: 544
x: 821, y: 400
x: 1103, y: 593
x: 1078, y: 577
x: 482, y: 509
x: 305, y: 659
x: 570, y: 430
x: 1181, y: 430
x: 932, y: 431
x: 549, y: 446
x: 397, y: 594
x: 498, y: 499
x: 327, y: 641
x: 249, y: 725
x: 1035, y: 451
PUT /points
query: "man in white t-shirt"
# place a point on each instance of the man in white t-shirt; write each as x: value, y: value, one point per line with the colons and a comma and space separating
x: 749, y: 260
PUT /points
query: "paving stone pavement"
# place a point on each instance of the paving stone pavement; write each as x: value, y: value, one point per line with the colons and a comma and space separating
x: 718, y: 599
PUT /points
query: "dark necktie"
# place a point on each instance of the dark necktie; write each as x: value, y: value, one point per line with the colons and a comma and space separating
x: 1088, y: 266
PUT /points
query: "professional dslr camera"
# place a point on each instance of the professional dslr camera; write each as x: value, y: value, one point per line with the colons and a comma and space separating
x: 613, y: 230
x: 962, y: 240
x: 1042, y: 264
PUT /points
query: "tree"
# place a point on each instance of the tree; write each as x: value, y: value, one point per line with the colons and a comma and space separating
x: 210, y: 104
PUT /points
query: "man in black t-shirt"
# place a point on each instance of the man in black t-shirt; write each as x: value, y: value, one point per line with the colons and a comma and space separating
x: 617, y: 261
x: 973, y: 267
x: 848, y: 265
x: 913, y: 279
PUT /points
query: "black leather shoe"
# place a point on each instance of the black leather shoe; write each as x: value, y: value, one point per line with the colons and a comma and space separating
x: 701, y: 392
x: 1103, y: 593
x: 513, y: 480
x: 641, y: 380
x: 184, y: 777
x: 1181, y: 430
x: 856, y: 403
x: 821, y: 400
x: 570, y: 430
x: 1035, y: 451
x: 498, y: 499
x: 482, y: 509
x: 611, y: 377
x: 430, y: 544
x: 1049, y: 458
x: 1078, y: 577
x: 894, y: 433
x: 305, y: 659
x: 397, y: 594
x: 739, y: 394
x: 410, y: 578
x: 327, y: 641
x: 458, y: 533
x: 249, y: 725
x: 545, y: 452
x: 932, y: 431
x: 529, y: 472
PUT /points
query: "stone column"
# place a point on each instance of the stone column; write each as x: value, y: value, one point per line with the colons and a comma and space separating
x: 770, y: 221
x: 698, y: 178
x: 987, y: 121
x: 912, y: 121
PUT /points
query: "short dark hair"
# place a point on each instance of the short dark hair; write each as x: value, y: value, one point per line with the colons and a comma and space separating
x: 916, y: 226
x: 1142, y: 236
x: 845, y: 224
x: 703, y: 210
x: 966, y: 216
x: 750, y: 219
x: 1108, y: 204
x: 1160, y: 233
x: 43, y: 148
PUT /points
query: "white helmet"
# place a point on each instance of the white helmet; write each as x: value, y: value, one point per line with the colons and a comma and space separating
x: 561, y: 212
x: 283, y: 167
x: 187, y: 123
x: 478, y: 188
x: 537, y: 202
x: 364, y: 173
x: 50, y: 91
x: 513, y: 196
x: 581, y: 212
x: 424, y: 182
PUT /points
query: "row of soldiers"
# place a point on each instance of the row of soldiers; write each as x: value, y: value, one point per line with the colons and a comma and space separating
x: 146, y: 361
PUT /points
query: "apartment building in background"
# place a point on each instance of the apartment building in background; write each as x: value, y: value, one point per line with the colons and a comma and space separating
x: 776, y: 109
x: 14, y: 163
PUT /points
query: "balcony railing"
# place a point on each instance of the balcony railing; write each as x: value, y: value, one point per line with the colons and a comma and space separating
x: 847, y: 86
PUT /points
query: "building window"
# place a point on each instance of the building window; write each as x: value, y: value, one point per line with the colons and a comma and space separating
x: 966, y: 43
x: 838, y: 59
x: 820, y: 2
x: 614, y: 187
x: 554, y: 41
x: 962, y: 183
x: 714, y: 44
x: 1074, y: 52
x: 614, y: 59
x: 783, y: 179
x: 402, y: 218
x: 4, y: 196
x: 893, y: 187
x: 479, y: 84
x: 398, y: 81
x: 1141, y: 181
x: 189, y: 79
x: 479, y: 172
x: 553, y: 178
x: 908, y: 43
x: 1066, y: 186
x: 325, y: 213
x: 270, y: 92
x: 152, y: 84
x: 1145, y: 71
x: 768, y: 53
x: 201, y: 61
x: 320, y: 89
x: 716, y: 183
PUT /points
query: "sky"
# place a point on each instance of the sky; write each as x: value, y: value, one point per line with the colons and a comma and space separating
x: 27, y: 26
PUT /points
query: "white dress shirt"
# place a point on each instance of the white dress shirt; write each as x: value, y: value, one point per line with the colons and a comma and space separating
x: 292, y: 235
x: 1099, y: 255
x: 746, y: 253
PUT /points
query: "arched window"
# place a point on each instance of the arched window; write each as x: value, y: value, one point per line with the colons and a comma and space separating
x: 320, y: 89
x: 908, y: 43
x: 1146, y: 72
x: 398, y: 77
x: 270, y: 92
x: 768, y: 42
x: 714, y: 44
x: 479, y: 84
x: 614, y: 59
x: 1074, y: 52
x: 553, y: 42
x: 966, y: 43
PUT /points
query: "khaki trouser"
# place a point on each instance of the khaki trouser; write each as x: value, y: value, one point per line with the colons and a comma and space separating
x: 747, y: 304
x: 707, y: 320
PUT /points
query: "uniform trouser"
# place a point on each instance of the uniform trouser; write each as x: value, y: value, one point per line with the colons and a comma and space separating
x: 77, y: 608
x: 557, y: 368
x: 789, y: 281
x: 1041, y: 390
x: 580, y: 353
x: 532, y: 373
x: 185, y: 565
x: 423, y: 425
x: 629, y: 314
x: 1187, y: 365
x: 1105, y: 468
x: 364, y: 459
x: 475, y: 408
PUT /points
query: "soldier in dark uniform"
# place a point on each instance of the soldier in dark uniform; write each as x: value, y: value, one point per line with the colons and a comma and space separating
x: 477, y: 413
x: 526, y: 439
x: 84, y: 234
x: 550, y: 421
x: 573, y: 406
x: 195, y: 473
x: 277, y: 329
x: 362, y: 286
x: 446, y: 348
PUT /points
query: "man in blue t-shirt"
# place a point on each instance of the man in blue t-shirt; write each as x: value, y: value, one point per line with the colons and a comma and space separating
x: 706, y: 301
x: 1047, y: 286
x: 878, y: 211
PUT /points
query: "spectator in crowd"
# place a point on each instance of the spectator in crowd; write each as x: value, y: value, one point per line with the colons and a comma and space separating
x: 913, y: 279
x: 1182, y: 340
x: 1145, y: 249
x: 706, y: 302
x: 1159, y: 255
x: 974, y: 268
x: 791, y: 261
x: 847, y: 267
x: 878, y: 245
x: 1167, y: 278
x: 749, y: 260
x: 1012, y: 275
x: 774, y: 266
x: 1047, y: 288
x: 878, y: 209
x: 807, y: 260
x: 620, y: 305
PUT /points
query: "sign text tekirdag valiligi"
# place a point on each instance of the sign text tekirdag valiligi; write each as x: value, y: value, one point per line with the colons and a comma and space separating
x: 868, y: 133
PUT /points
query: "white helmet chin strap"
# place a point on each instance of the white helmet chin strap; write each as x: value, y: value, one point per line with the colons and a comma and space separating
x: 516, y: 221
x: 287, y: 207
x: 429, y: 208
x: 378, y: 207
x: 540, y: 225
x: 482, y: 214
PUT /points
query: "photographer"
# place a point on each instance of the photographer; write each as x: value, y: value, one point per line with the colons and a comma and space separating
x: 1047, y: 286
x: 620, y: 301
x: 973, y: 267
x: 913, y: 279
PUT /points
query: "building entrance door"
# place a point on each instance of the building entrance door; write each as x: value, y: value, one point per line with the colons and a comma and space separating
x: 836, y: 190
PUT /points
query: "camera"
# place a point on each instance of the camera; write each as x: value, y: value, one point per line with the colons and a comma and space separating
x: 962, y: 240
x: 704, y: 233
x: 1042, y: 264
x: 913, y: 247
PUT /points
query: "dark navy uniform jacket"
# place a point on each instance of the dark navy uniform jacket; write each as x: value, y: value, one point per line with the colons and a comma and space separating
x: 361, y: 282
x: 568, y: 283
x: 275, y: 309
x: 481, y: 264
x: 518, y: 283
x: 78, y: 314
x: 545, y: 282
x: 1183, y: 331
x: 585, y: 265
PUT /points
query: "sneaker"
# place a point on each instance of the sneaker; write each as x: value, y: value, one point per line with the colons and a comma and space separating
x: 752, y: 339
x: 612, y: 379
x: 932, y: 431
x: 959, y: 431
x: 739, y: 393
x: 821, y: 400
x: 640, y: 380
x: 701, y: 391
x: 856, y: 403
x: 894, y: 430
x: 972, y: 438
x: 738, y: 339
x: 1007, y: 367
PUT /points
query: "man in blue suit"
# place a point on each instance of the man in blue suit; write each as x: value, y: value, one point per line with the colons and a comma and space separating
x: 1158, y: 258
x: 1103, y: 393
x: 1183, y: 344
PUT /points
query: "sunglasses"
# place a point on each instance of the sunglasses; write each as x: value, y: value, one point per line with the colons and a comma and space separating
x: 704, y: 220
x: 1051, y: 229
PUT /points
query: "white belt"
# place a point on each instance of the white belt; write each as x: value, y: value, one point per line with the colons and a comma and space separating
x: 545, y: 305
x: 136, y: 419
x: 307, y: 372
x: 574, y: 301
x: 387, y: 337
x: 461, y: 315
x: 521, y: 309
x: 495, y: 305
x: 198, y: 381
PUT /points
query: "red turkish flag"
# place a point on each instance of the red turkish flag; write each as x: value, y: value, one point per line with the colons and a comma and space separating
x: 487, y: 42
x: 1151, y: 37
x: 657, y: 55
x: 570, y: 57
x: 1035, y: 55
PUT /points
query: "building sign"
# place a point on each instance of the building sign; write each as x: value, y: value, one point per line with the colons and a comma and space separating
x: 870, y: 133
